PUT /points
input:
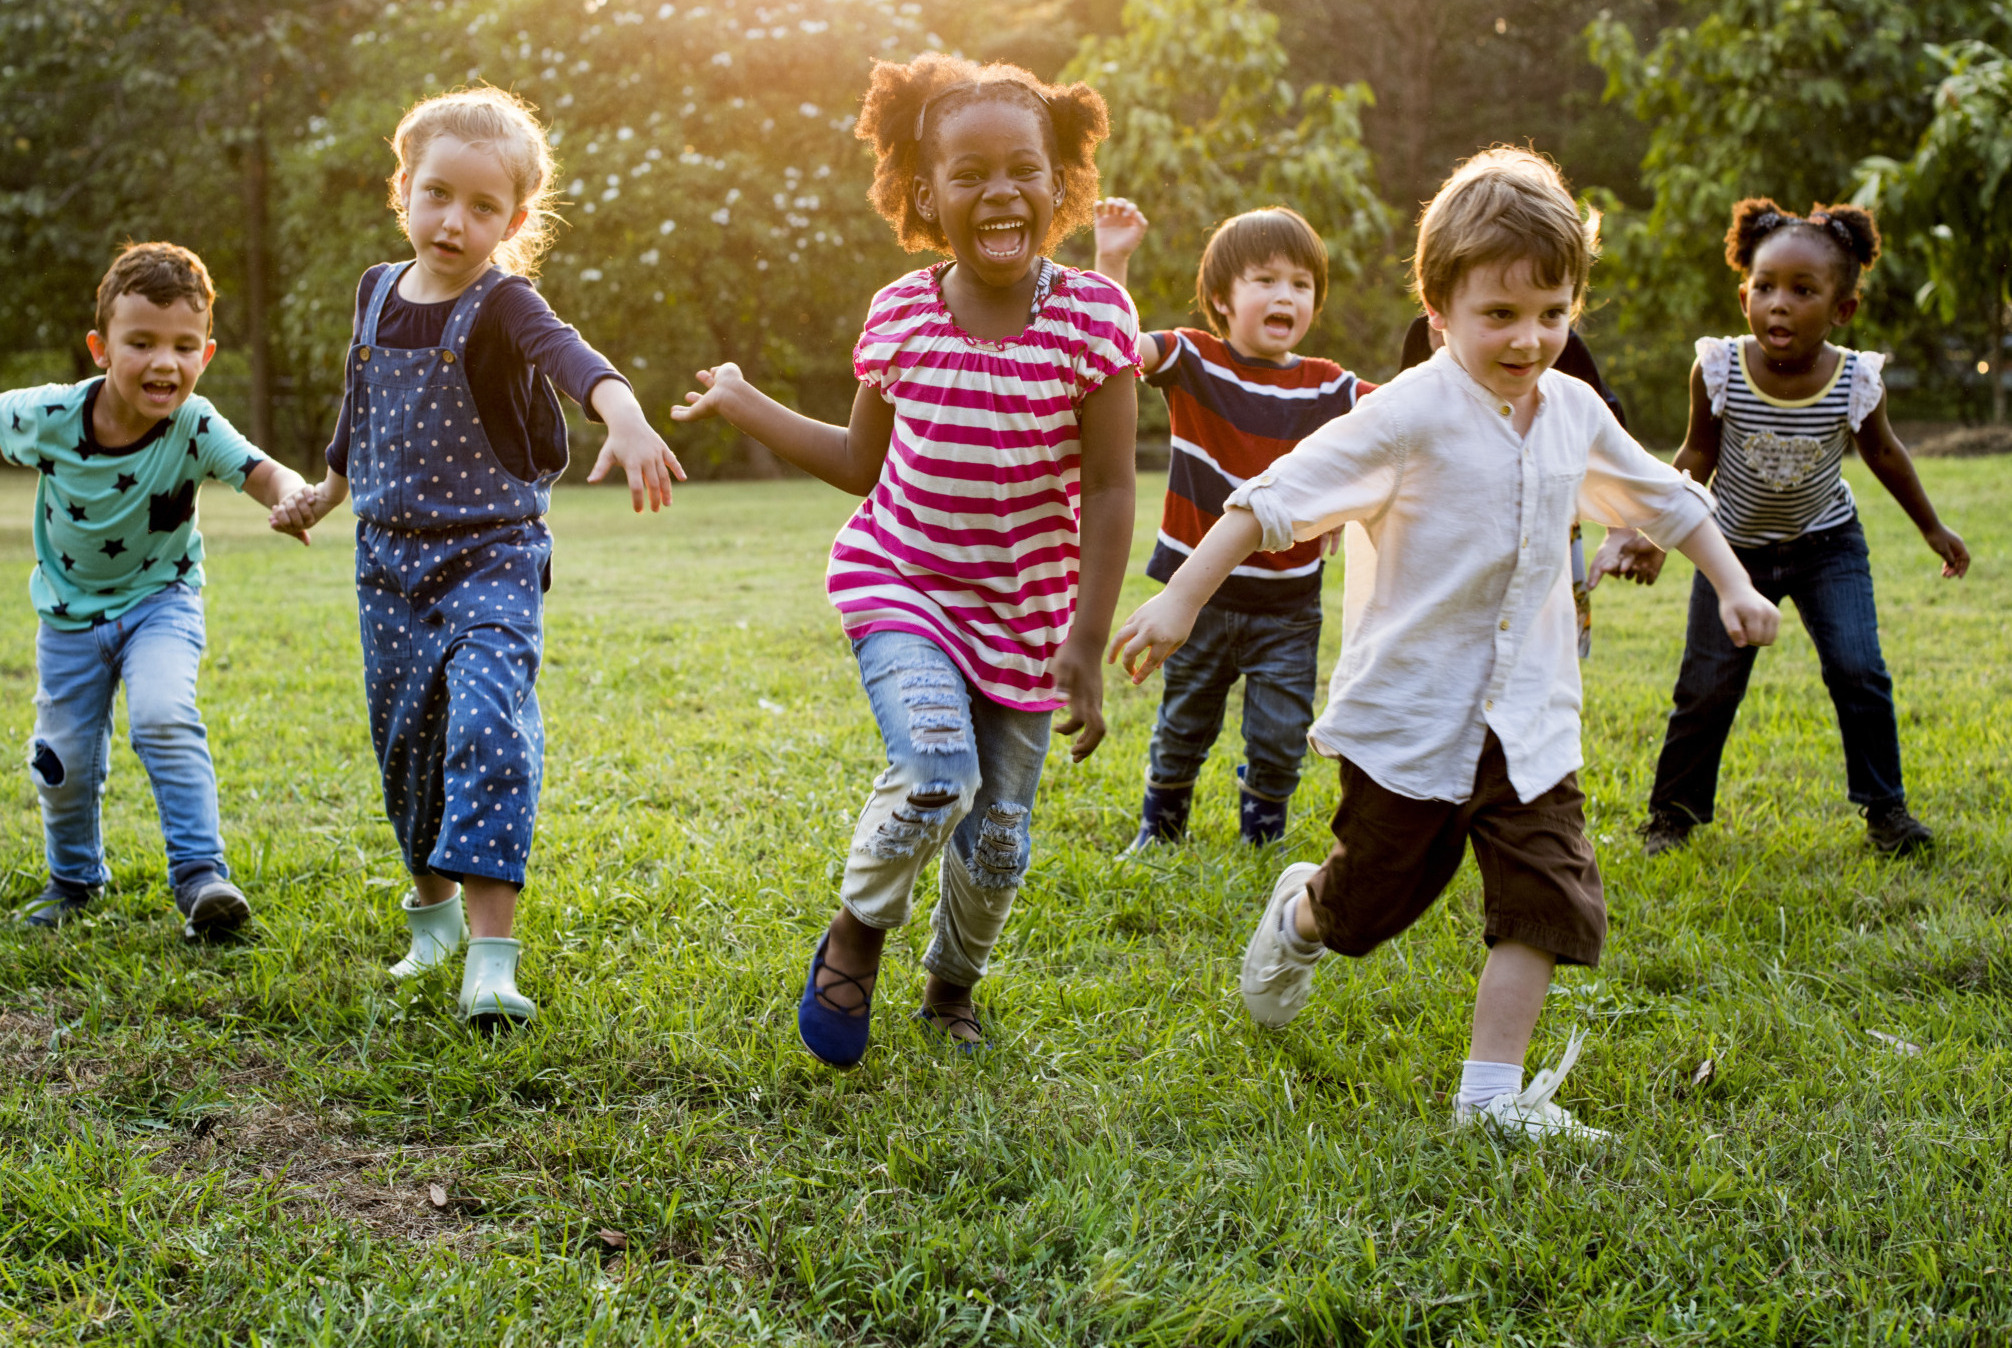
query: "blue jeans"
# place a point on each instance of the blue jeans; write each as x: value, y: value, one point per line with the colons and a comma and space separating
x: 1829, y: 578
x: 154, y: 649
x: 1278, y: 657
x: 961, y: 770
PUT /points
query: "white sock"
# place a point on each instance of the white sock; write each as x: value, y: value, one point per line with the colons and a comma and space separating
x: 1288, y: 925
x: 1481, y: 1082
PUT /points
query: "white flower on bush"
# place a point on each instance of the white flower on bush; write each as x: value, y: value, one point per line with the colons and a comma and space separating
x: 591, y: 274
x: 722, y: 215
x: 648, y: 257
x: 667, y: 227
x: 807, y: 109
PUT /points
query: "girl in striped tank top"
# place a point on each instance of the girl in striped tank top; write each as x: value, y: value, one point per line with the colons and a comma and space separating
x: 992, y: 439
x: 1771, y: 415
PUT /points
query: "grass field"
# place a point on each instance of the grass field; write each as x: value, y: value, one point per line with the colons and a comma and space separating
x: 242, y: 1144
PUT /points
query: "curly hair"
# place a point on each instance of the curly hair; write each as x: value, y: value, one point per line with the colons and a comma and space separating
x: 1850, y: 230
x: 892, y: 114
x: 502, y: 122
x: 164, y: 273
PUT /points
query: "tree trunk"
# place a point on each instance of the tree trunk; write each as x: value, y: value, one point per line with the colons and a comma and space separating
x: 258, y: 342
x: 1996, y: 359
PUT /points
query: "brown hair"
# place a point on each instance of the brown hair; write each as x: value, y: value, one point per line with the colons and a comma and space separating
x: 503, y: 123
x: 164, y: 273
x: 1504, y: 205
x: 1252, y: 240
x: 1850, y: 230
x: 892, y: 115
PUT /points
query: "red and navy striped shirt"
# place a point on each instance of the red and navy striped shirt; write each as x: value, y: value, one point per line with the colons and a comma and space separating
x: 1231, y: 416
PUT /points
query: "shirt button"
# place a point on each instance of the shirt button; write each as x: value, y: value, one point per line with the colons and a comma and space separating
x: 1489, y: 705
x: 1526, y: 540
x: 1503, y: 409
x: 1504, y: 624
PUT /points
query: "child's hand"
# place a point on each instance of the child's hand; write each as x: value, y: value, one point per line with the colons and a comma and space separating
x: 645, y: 459
x: 722, y: 383
x: 1330, y: 542
x: 1750, y: 620
x: 1120, y: 228
x: 1949, y: 547
x: 1081, y: 680
x: 298, y: 513
x: 1156, y: 629
x: 1627, y: 554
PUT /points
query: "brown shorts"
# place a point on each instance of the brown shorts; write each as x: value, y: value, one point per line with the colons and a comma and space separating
x: 1393, y: 856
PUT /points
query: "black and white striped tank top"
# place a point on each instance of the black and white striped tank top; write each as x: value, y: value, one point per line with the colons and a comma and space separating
x: 1779, y: 475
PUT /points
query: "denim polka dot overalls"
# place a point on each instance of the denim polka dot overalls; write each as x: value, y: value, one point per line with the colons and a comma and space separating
x: 451, y: 559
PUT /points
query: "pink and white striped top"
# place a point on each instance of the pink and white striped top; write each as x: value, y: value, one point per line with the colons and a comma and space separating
x: 970, y: 536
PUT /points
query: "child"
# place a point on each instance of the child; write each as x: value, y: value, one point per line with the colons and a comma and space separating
x: 453, y: 438
x: 1771, y: 414
x: 1237, y: 398
x: 118, y: 574
x: 992, y: 440
x: 1454, y: 711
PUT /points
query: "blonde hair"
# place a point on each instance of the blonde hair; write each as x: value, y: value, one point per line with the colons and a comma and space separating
x: 503, y: 123
x: 1501, y: 206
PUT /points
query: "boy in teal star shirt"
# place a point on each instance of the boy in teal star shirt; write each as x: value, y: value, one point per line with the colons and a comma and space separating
x: 118, y: 570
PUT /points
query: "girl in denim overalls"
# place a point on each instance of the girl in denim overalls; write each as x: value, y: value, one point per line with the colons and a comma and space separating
x: 453, y: 437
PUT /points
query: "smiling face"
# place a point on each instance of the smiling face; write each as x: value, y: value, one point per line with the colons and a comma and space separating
x: 1269, y: 308
x: 992, y: 187
x: 152, y: 355
x: 1791, y: 295
x: 1505, y: 327
x: 460, y: 202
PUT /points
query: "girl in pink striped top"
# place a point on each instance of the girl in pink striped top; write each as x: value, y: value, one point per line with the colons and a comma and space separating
x: 992, y: 439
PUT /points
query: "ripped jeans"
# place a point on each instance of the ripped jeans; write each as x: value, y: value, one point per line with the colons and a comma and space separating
x: 961, y: 770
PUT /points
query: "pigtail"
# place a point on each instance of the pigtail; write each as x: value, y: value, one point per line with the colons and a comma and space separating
x: 1855, y: 229
x: 1753, y: 220
x: 1082, y: 121
x: 888, y: 117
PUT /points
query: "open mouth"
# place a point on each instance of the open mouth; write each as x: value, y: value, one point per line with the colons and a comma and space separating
x: 1002, y: 240
x: 1278, y: 326
x: 1780, y: 337
x: 158, y: 390
x: 446, y: 249
x: 1516, y: 371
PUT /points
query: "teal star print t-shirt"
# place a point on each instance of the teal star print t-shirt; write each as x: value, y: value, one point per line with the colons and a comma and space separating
x: 114, y: 526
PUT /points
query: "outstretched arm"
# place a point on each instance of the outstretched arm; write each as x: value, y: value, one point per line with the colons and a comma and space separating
x: 304, y: 507
x: 1108, y: 428
x: 1160, y: 626
x: 1749, y: 618
x: 849, y: 457
x: 1121, y: 228
x: 1890, y: 463
x: 271, y: 483
x: 1625, y: 552
x: 634, y: 444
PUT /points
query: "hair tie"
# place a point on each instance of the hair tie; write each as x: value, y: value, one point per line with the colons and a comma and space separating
x: 1838, y: 229
x: 1766, y: 220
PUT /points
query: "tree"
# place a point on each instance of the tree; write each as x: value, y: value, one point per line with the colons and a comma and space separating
x: 1954, y: 194
x: 1776, y: 98
x: 1204, y: 125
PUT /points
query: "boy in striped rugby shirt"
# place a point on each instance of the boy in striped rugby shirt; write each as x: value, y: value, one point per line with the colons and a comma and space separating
x: 1237, y: 398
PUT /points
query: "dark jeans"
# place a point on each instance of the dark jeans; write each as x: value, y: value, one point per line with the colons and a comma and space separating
x: 1277, y: 655
x: 1827, y: 575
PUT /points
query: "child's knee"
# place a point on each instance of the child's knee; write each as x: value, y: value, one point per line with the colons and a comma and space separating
x: 62, y: 768
x: 155, y: 719
x: 916, y: 812
x: 1005, y: 846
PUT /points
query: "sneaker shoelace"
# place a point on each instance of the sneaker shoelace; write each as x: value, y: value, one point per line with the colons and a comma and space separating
x: 1534, y: 1101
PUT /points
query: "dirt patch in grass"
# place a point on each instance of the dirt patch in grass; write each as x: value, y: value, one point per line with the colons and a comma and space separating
x: 1971, y: 442
x: 312, y: 1168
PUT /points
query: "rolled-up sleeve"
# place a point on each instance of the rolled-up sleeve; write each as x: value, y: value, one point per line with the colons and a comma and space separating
x: 1349, y: 469
x: 1627, y: 487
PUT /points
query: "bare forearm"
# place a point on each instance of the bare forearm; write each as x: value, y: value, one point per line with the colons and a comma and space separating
x: 1710, y: 553
x: 1114, y: 266
x: 615, y: 401
x: 819, y: 448
x: 1895, y: 471
x: 272, y: 482
x: 1233, y: 538
x: 1107, y: 517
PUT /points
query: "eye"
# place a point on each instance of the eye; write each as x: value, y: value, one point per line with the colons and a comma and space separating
x: 437, y: 193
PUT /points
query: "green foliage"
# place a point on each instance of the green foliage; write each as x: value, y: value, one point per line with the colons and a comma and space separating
x: 1954, y: 196
x: 1205, y: 125
x: 1778, y: 98
x: 235, y: 1145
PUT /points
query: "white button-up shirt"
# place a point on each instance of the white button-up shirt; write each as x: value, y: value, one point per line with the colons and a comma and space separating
x: 1465, y: 623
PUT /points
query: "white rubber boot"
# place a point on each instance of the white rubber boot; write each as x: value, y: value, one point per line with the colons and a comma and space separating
x: 489, y: 996
x: 437, y: 930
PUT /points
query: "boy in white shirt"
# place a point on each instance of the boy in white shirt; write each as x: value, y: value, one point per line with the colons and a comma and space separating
x: 1454, y: 712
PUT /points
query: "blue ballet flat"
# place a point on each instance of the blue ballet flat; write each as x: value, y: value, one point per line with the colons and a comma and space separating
x: 943, y: 1029
x: 833, y: 1034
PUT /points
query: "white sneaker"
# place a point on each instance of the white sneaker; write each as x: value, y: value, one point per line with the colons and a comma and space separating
x: 1530, y: 1112
x: 1277, y: 979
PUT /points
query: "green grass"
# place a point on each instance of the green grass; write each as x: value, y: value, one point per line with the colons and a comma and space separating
x: 237, y: 1145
